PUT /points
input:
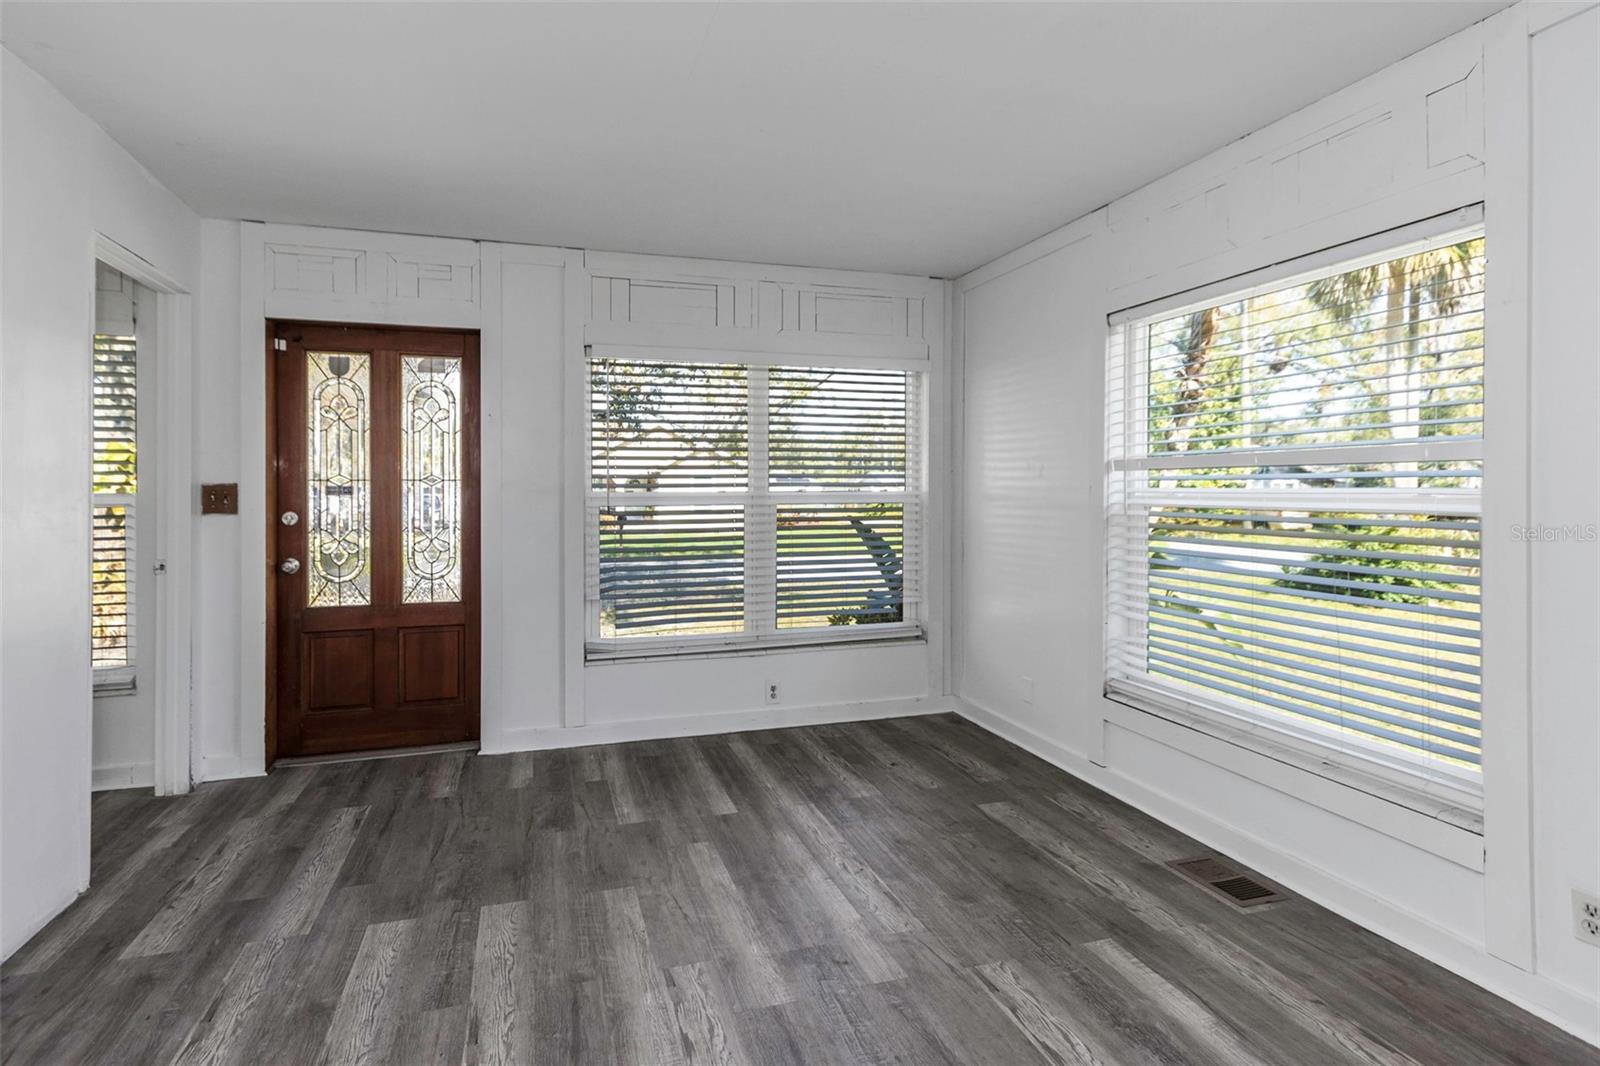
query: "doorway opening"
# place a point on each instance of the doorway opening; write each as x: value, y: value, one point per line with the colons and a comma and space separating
x: 124, y: 531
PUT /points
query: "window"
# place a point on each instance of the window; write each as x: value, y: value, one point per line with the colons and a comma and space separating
x: 115, y: 487
x: 735, y: 504
x: 1294, y: 507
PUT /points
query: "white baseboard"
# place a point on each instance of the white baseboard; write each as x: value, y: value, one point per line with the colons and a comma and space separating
x: 706, y: 724
x: 226, y: 768
x: 1550, y: 1000
x: 230, y: 767
x: 123, y: 775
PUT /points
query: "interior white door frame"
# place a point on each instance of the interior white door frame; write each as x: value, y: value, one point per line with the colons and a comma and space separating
x: 173, y: 457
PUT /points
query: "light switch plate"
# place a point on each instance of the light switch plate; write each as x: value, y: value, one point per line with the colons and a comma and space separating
x: 219, y: 499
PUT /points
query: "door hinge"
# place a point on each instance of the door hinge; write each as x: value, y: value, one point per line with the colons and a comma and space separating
x: 279, y: 344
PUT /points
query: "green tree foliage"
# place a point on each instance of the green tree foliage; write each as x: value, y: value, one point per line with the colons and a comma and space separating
x: 654, y: 421
x: 1377, y: 353
x: 1387, y: 352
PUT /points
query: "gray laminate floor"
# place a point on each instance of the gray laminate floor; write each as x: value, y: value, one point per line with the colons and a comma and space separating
x: 911, y: 891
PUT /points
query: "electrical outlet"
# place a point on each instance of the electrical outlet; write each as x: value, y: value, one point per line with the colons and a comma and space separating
x: 1586, y: 917
x: 772, y: 692
x: 1027, y: 690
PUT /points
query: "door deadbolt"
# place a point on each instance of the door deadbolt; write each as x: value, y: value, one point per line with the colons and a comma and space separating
x: 290, y: 565
x: 289, y: 518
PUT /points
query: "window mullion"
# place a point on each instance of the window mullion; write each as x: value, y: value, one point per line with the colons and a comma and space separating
x: 760, y: 520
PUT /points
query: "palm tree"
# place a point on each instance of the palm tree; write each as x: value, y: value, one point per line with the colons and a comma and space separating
x: 1194, y: 344
x: 1440, y: 278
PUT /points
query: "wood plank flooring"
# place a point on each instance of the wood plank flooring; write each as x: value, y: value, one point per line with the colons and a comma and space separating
x: 905, y: 891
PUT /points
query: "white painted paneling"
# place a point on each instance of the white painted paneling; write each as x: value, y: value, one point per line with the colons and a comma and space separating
x: 64, y: 181
x: 1031, y: 512
x: 352, y: 276
x: 1364, y: 159
x: 1566, y: 491
x: 1410, y: 142
x: 219, y: 571
x: 325, y: 273
x: 622, y: 692
x: 522, y: 607
x: 687, y: 303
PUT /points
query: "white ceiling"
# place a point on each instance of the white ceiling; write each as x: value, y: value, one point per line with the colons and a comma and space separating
x: 918, y: 138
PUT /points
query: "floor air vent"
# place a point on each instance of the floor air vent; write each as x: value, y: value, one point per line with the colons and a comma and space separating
x: 1237, y: 887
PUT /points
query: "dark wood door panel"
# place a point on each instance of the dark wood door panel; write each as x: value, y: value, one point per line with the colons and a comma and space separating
x: 376, y: 633
x: 433, y: 664
x: 338, y: 671
x: 328, y: 734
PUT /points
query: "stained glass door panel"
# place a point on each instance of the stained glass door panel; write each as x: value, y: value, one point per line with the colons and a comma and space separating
x: 374, y: 521
x: 430, y: 478
x: 338, y: 478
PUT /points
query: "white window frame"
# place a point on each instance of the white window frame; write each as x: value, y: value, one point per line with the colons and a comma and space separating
x: 114, y: 680
x: 760, y: 503
x: 1310, y: 746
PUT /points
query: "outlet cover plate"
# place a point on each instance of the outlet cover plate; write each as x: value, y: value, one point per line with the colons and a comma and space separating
x: 1586, y: 917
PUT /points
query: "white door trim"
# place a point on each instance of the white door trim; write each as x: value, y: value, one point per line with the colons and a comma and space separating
x: 174, y: 506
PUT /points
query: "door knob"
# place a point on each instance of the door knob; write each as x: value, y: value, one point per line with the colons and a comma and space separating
x: 290, y: 565
x: 289, y: 518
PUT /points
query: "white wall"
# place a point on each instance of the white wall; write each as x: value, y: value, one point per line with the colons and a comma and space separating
x: 1566, y: 488
x: 537, y: 308
x: 63, y: 180
x: 216, y: 737
x: 1445, y: 128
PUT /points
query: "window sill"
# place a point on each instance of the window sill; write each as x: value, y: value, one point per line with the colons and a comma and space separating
x: 1441, y: 801
x: 115, y: 686
x: 610, y: 654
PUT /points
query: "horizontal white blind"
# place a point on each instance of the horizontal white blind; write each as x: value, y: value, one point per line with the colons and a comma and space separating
x: 113, y: 434
x: 668, y: 427
x: 115, y: 414
x: 1294, y: 491
x: 837, y: 429
x: 751, y: 503
x: 842, y: 564
x: 112, y: 555
x: 664, y: 570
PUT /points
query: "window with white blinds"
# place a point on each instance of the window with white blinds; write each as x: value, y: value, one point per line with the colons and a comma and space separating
x: 115, y: 475
x: 1294, y: 509
x: 743, y: 504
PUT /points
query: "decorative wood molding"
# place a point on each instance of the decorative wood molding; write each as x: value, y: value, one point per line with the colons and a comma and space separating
x: 676, y: 303
x: 380, y: 278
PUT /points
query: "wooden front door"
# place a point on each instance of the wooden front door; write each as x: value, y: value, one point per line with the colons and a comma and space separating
x: 375, y: 522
